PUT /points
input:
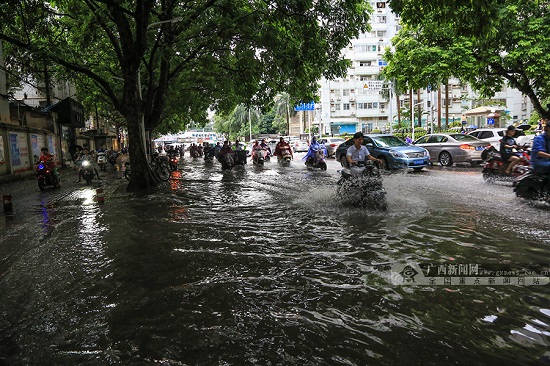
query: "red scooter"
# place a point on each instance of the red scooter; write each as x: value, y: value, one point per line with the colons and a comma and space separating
x: 495, y: 168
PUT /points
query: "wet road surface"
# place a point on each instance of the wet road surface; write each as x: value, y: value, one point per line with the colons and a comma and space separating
x: 265, y: 266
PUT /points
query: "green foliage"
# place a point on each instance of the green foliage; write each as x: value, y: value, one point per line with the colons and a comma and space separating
x: 168, y: 62
x: 215, y: 54
x: 483, y: 43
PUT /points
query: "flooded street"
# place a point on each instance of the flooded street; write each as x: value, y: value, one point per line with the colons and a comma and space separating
x: 265, y: 266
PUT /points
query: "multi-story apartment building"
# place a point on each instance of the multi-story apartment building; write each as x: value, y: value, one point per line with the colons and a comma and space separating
x: 362, y: 102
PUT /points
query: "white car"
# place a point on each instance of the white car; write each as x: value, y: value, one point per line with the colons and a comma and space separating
x: 494, y: 135
x: 490, y: 135
x: 300, y: 145
x: 331, y: 143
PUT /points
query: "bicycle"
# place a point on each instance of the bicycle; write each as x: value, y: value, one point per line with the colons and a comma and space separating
x: 158, y: 166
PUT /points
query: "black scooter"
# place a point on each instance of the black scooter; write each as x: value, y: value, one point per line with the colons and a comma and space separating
x: 533, y: 186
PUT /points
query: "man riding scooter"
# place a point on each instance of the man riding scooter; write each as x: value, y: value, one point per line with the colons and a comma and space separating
x: 86, y: 157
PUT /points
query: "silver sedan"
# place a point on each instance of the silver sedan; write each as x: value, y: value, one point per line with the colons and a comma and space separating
x: 452, y: 148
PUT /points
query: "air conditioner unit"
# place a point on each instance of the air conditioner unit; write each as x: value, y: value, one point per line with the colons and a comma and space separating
x: 333, y: 109
x: 352, y: 99
x: 382, y: 111
x: 332, y: 99
x: 338, y: 98
x: 352, y: 114
x: 456, y: 96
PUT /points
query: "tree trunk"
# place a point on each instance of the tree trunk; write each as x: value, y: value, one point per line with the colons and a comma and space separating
x: 397, y: 101
x: 439, y: 108
x: 419, y: 109
x: 447, y: 105
x: 142, y: 179
x: 411, y: 106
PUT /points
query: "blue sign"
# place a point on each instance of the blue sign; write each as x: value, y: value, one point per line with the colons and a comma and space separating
x: 305, y: 107
x: 382, y: 63
x: 490, y: 121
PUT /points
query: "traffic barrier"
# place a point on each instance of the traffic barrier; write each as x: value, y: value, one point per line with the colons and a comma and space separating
x: 99, y: 195
x: 8, y: 207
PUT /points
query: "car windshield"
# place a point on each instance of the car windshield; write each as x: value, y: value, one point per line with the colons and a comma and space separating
x: 462, y: 137
x: 389, y: 141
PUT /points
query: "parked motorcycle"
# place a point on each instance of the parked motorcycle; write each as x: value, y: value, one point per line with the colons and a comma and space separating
x: 495, y: 167
x: 45, y: 176
x: 533, y: 186
x: 361, y: 185
x: 87, y: 171
x: 318, y: 160
x: 102, y: 160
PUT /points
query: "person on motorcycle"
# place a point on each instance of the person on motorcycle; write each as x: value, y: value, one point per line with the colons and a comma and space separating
x: 225, y: 150
x: 507, y: 146
x: 194, y: 151
x: 86, y: 156
x: 48, y: 160
x: 540, y: 152
x: 266, y: 147
x: 217, y: 149
x: 312, y: 151
x: 257, y: 147
x: 282, y: 145
x: 359, y: 152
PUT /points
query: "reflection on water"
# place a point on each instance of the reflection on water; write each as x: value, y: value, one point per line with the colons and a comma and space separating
x: 266, y: 266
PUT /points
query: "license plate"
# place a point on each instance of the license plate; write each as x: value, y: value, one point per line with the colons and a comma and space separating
x: 478, y: 148
x: 418, y: 162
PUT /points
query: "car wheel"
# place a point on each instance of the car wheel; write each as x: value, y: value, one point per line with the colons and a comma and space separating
x: 445, y: 159
x: 384, y: 164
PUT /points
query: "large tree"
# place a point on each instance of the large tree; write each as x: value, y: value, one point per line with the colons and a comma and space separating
x: 170, y: 60
x: 485, y: 43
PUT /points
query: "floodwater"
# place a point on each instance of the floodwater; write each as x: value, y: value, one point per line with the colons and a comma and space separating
x: 265, y: 266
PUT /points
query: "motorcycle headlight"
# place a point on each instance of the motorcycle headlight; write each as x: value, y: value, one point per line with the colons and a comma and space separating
x: 397, y: 154
x: 85, y: 163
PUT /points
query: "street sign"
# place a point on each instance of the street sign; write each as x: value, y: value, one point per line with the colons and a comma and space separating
x: 490, y: 121
x: 305, y: 107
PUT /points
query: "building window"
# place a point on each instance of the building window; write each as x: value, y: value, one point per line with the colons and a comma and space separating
x: 345, y: 92
x: 346, y: 106
x: 365, y: 63
x: 380, y: 5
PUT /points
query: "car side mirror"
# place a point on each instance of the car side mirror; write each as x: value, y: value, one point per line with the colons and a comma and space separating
x: 370, y: 145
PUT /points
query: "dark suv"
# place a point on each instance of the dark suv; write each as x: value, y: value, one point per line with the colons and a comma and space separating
x: 395, y: 153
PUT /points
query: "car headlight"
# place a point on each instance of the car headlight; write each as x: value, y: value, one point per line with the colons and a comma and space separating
x: 426, y: 153
x: 397, y: 154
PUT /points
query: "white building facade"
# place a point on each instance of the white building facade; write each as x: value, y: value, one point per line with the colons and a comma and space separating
x: 362, y: 102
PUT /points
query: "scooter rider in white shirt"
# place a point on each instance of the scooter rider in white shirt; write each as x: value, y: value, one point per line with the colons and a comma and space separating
x: 359, y: 152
